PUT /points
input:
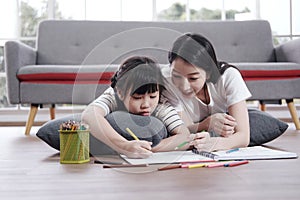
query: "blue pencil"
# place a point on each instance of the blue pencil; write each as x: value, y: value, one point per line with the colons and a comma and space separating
x: 232, y: 150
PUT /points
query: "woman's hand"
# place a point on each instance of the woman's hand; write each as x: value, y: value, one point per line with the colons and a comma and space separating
x: 221, y: 123
x: 203, y: 142
x: 200, y: 140
x: 137, y: 149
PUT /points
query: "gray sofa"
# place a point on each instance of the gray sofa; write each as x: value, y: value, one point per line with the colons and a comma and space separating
x: 73, y: 60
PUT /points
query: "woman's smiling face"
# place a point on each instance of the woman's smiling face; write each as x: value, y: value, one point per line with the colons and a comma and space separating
x: 187, y: 78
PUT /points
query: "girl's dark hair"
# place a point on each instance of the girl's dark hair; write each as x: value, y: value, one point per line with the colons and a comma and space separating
x: 198, y: 51
x: 141, y: 74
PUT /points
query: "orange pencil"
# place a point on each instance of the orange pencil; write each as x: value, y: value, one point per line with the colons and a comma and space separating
x: 236, y: 163
x: 174, y: 166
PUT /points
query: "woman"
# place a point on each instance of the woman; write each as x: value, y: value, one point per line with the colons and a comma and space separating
x: 212, y: 93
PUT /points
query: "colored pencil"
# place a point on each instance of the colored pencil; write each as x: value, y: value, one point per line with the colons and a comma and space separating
x: 232, y: 150
x: 173, y: 166
x: 132, y: 134
x: 125, y: 165
x: 236, y: 163
x: 181, y: 145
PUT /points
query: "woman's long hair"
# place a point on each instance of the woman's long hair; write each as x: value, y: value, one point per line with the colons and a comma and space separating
x: 198, y: 51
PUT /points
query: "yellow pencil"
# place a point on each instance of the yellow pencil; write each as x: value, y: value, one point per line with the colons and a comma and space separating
x: 197, y: 165
x: 132, y: 134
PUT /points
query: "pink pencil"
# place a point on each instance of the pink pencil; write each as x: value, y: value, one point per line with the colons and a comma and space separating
x: 219, y: 164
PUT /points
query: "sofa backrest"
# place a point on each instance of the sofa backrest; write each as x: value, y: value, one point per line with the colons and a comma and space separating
x: 106, y: 42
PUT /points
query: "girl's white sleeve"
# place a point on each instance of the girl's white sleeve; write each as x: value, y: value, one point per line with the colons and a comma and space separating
x: 106, y: 101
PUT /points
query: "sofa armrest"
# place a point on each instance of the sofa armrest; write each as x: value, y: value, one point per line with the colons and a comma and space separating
x: 16, y: 55
x: 288, y: 52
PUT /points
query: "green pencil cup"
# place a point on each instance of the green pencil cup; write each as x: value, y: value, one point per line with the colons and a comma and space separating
x: 74, y: 146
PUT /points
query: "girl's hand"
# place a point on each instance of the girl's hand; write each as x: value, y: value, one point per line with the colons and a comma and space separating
x: 222, y: 124
x: 137, y: 149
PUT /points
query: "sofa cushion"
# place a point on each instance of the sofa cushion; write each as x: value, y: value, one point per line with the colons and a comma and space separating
x: 268, y: 71
x: 75, y: 42
x: 67, y: 74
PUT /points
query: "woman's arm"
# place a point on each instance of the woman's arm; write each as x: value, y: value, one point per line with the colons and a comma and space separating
x: 103, y: 131
x: 241, y: 136
x: 220, y: 123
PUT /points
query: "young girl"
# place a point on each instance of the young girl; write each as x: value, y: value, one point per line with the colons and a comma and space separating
x: 135, y: 88
x: 213, y: 93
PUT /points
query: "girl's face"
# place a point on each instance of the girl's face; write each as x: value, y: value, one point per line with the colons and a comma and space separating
x: 141, y: 104
x: 187, y: 78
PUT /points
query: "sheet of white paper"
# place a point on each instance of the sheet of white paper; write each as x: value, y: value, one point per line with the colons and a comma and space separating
x: 169, y: 157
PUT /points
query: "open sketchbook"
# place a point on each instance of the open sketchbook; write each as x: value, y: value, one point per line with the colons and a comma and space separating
x: 248, y: 153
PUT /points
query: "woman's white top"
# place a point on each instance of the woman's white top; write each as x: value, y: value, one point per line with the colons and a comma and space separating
x: 228, y: 90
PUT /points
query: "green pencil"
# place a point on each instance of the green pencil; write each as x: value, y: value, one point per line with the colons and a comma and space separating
x: 184, y: 143
x: 181, y: 145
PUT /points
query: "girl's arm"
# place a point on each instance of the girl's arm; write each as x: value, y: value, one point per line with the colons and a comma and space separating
x: 103, y: 131
x: 179, y: 134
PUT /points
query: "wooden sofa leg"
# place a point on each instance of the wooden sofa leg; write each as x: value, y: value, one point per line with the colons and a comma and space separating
x: 293, y: 112
x: 52, y: 111
x: 31, y: 116
x: 262, y: 106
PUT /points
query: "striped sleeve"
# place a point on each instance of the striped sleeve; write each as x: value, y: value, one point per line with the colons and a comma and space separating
x: 107, y: 101
x: 169, y: 116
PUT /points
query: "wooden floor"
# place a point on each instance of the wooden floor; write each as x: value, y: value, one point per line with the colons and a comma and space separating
x: 30, y: 169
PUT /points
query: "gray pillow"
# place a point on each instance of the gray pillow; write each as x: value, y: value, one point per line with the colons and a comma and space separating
x: 49, y: 134
x: 264, y: 127
x: 144, y: 127
x: 49, y: 131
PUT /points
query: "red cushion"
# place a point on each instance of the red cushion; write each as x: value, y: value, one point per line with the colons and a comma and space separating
x: 104, y: 77
x: 249, y: 75
x: 68, y: 78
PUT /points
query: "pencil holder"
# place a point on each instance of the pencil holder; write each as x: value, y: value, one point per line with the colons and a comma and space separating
x: 74, y: 146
